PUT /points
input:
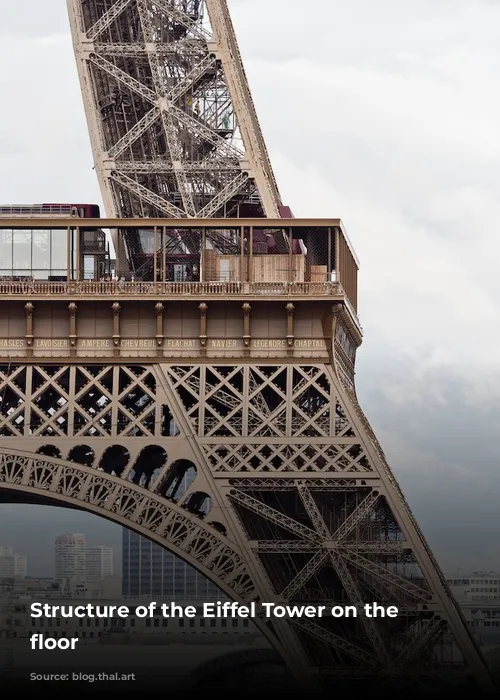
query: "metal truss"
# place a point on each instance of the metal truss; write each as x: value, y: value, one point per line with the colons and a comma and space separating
x: 172, y: 124
x: 292, y: 500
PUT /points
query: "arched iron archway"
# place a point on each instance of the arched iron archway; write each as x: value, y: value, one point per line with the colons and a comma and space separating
x: 60, y: 482
x: 46, y: 480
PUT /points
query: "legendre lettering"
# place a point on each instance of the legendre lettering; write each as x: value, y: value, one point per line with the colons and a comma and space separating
x: 309, y: 344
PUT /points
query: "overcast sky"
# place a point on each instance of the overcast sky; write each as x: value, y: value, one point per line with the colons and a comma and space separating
x: 386, y: 114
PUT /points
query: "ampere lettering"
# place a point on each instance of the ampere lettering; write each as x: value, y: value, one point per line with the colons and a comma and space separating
x: 95, y: 343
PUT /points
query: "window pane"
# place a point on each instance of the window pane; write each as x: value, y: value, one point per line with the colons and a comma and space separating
x: 147, y: 238
x: 22, y: 250
x: 6, y: 250
x: 88, y: 267
x: 59, y: 248
x: 40, y: 274
x: 41, y: 250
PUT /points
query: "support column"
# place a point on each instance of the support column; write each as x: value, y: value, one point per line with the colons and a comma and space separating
x: 203, y: 257
x: 155, y: 256
x: 78, y: 262
x: 242, y: 279
x: 72, y: 308
x: 160, y: 337
x: 29, y: 309
x: 203, y: 328
x: 290, y: 337
x: 247, y: 338
x: 250, y: 257
x: 68, y: 255
x: 116, y: 329
x: 164, y: 254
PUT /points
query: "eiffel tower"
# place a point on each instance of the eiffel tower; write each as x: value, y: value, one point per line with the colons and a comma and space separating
x: 224, y: 346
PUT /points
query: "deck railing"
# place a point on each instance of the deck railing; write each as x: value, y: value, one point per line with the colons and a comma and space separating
x: 166, y: 289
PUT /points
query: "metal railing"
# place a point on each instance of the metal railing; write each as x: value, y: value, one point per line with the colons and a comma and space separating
x: 124, y: 289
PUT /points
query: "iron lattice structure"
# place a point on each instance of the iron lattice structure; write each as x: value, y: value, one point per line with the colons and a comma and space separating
x: 292, y: 501
x: 173, y: 127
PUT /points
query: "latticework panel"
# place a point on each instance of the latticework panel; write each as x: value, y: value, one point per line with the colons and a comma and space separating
x: 80, y: 401
x: 289, y: 499
x: 261, y: 401
x: 287, y: 457
x: 172, y: 123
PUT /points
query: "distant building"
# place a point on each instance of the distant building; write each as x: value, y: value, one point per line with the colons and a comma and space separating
x: 12, y: 565
x: 478, y: 586
x: 150, y: 570
x: 99, y: 562
x: 110, y: 587
x: 484, y: 620
x: 31, y: 587
x: 70, y: 560
x: 100, y: 569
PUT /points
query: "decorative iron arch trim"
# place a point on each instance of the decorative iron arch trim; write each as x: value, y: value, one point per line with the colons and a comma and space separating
x: 160, y: 520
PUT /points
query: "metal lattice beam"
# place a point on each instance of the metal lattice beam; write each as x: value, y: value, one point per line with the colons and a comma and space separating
x: 321, y: 538
x: 168, y: 107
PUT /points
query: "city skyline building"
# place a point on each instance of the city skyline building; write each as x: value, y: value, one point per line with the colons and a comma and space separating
x: 476, y: 586
x: 70, y: 559
x: 151, y: 570
x: 99, y: 562
x: 148, y: 569
x: 12, y: 565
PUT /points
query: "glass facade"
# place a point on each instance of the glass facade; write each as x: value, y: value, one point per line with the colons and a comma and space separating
x: 33, y: 253
x: 150, y: 570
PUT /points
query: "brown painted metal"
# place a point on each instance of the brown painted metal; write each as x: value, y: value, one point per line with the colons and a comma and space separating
x: 106, y: 403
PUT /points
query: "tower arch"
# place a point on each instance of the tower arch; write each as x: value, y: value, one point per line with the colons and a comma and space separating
x: 182, y: 532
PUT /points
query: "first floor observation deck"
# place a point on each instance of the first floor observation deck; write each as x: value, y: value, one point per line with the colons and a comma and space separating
x: 229, y: 257
x: 92, y: 273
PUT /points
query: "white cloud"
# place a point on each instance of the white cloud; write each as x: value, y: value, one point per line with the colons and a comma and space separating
x: 44, y: 147
x: 405, y: 149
